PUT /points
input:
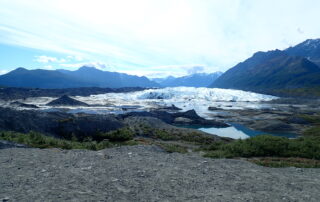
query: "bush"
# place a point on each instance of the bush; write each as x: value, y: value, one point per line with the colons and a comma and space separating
x: 263, y: 145
x: 120, y: 135
x: 34, y: 139
x: 267, y: 146
x: 314, y: 131
x: 315, y: 119
x: 163, y: 135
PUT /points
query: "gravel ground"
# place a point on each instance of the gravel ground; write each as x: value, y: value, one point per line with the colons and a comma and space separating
x: 146, y: 173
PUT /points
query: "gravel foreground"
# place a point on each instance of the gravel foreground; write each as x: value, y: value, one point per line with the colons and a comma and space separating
x: 146, y: 173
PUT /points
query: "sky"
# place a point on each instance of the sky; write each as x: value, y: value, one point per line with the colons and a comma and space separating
x: 154, y: 38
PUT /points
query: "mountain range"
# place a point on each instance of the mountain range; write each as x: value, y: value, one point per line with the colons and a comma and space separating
x: 193, y: 80
x: 276, y: 71
x: 83, y: 77
x: 295, y: 70
x: 92, y: 77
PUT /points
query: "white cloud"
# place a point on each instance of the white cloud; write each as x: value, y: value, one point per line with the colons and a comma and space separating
x: 97, y: 65
x: 3, y: 71
x: 195, y: 69
x: 46, y: 59
x: 75, y: 57
x: 48, y: 67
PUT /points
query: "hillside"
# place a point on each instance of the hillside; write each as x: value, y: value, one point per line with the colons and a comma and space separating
x: 275, y: 72
x: 109, y: 79
x: 309, y: 48
x: 83, y: 77
x: 39, y: 78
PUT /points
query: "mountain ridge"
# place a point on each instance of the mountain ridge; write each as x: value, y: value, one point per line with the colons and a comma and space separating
x: 275, y: 71
x: 83, y: 77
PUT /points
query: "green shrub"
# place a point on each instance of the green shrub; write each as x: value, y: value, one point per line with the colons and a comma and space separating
x: 163, y: 135
x: 38, y: 140
x: 267, y: 146
x: 120, y: 135
x: 315, y: 119
x: 314, y: 131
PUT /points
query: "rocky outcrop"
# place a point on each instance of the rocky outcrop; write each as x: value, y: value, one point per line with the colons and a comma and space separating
x: 67, y: 125
x: 66, y: 101
x: 179, y: 118
x: 57, y: 123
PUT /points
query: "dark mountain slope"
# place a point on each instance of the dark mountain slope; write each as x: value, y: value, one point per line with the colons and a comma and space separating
x: 84, y: 77
x: 269, y: 71
x: 109, y: 79
x: 309, y: 49
x: 41, y: 79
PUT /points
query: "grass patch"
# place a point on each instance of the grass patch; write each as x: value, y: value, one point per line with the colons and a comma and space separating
x: 34, y: 139
x: 120, y: 135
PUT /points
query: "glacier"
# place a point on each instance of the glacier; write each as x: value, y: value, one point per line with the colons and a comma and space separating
x: 185, y: 98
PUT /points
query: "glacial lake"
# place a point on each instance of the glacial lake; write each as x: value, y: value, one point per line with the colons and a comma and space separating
x: 238, y: 131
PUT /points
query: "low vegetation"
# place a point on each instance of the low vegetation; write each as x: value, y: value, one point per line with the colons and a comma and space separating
x: 267, y: 146
x: 120, y: 135
x: 314, y: 131
x: 263, y: 150
x: 277, y: 162
x: 34, y: 139
x: 313, y: 119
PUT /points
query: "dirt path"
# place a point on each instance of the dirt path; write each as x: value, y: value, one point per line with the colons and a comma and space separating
x: 146, y: 173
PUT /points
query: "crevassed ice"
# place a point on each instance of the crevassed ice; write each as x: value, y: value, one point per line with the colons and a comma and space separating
x: 207, y: 94
x: 185, y: 98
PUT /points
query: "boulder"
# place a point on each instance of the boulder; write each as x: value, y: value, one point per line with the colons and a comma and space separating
x: 170, y: 118
x: 182, y: 120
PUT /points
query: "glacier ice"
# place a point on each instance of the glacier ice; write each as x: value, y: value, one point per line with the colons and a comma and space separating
x: 185, y: 98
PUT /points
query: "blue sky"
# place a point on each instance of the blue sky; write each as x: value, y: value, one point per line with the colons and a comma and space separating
x: 155, y: 38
